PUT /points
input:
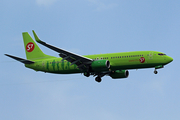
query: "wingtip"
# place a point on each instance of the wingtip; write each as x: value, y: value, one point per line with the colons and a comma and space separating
x: 36, y: 37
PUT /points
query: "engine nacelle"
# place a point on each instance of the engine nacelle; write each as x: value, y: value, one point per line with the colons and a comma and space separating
x: 100, y: 65
x: 120, y: 74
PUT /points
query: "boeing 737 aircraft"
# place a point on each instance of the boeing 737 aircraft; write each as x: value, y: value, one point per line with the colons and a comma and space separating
x: 115, y: 65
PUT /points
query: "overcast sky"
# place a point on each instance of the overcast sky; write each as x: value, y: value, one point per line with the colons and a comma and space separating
x: 90, y: 27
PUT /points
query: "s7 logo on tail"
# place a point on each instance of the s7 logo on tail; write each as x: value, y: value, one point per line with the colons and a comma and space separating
x: 30, y: 47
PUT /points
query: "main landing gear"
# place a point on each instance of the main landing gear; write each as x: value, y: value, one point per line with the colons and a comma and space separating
x: 98, y: 79
x: 87, y: 74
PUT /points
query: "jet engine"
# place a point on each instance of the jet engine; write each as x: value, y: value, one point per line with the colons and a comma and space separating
x: 119, y: 74
x: 100, y: 65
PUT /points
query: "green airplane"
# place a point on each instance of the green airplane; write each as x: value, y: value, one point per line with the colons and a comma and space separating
x: 115, y: 65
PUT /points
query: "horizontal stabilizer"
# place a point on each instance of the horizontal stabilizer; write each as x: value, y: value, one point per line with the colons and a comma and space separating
x: 20, y: 59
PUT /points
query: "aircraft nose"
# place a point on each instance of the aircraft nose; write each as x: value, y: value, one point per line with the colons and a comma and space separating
x: 170, y: 59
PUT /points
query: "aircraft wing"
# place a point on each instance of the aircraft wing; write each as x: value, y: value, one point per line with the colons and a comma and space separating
x: 81, y: 61
x: 20, y: 59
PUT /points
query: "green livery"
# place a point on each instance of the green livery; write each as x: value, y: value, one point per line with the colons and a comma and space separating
x: 115, y: 65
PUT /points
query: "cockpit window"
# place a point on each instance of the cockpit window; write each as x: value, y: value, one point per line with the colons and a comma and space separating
x: 161, y: 54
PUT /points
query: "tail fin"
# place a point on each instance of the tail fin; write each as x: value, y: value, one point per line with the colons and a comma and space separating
x: 32, y: 50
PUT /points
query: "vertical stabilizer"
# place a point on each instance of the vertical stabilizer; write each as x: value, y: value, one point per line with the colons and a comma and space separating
x: 32, y: 50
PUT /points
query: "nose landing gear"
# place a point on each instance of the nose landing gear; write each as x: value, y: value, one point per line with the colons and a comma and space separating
x: 157, y: 67
x: 155, y: 71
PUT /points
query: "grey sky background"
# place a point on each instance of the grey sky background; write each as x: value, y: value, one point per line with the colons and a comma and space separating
x: 90, y: 27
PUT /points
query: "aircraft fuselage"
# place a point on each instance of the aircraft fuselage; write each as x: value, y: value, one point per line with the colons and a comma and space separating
x: 118, y: 61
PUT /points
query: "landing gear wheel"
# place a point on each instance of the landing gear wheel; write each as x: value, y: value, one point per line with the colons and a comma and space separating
x: 155, y: 72
x: 87, y: 74
x: 98, y: 79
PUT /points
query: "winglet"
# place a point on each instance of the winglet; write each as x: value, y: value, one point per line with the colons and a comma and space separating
x: 36, y: 37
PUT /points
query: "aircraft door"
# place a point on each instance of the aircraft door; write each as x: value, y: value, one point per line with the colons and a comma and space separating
x: 150, y: 55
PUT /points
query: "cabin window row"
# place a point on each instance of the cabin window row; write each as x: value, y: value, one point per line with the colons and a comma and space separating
x: 102, y: 58
x: 128, y: 56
